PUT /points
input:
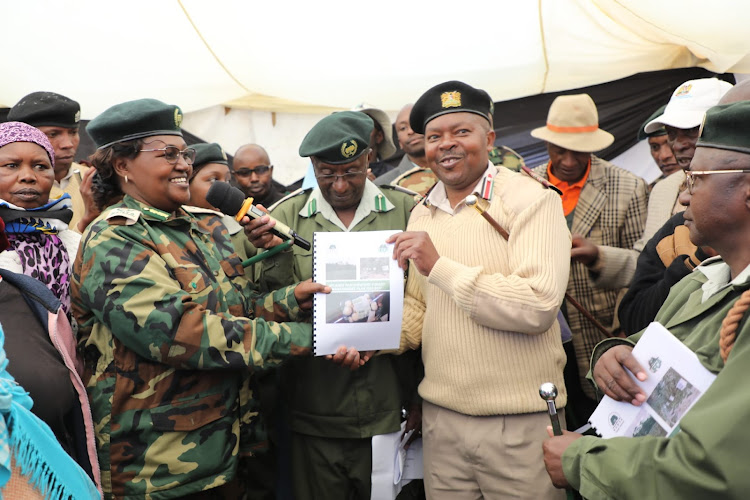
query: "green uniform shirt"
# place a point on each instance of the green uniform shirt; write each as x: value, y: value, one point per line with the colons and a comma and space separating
x: 708, y: 457
x: 324, y: 399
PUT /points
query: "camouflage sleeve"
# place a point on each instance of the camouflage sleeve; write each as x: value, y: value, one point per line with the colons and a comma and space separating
x: 129, y: 288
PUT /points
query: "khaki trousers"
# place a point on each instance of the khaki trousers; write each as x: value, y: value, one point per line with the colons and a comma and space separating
x: 494, y: 457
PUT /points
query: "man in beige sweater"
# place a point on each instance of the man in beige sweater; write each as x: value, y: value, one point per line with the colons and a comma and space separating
x: 482, y: 307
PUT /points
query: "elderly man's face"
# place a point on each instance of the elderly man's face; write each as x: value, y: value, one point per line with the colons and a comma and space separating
x: 717, y: 201
x: 457, y: 147
x: 342, y: 186
x: 662, y: 154
x: 566, y: 165
x: 682, y: 141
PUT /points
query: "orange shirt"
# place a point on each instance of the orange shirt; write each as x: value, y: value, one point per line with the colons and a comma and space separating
x: 570, y: 192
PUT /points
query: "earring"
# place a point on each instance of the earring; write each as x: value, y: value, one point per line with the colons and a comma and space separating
x: 126, y: 179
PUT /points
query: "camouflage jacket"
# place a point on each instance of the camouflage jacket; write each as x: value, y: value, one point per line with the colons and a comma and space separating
x: 161, y: 301
x: 324, y: 399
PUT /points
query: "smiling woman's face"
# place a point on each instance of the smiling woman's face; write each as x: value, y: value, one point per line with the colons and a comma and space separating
x: 26, y: 174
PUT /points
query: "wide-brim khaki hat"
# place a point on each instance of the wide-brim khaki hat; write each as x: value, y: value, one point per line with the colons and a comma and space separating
x: 387, y: 147
x: 573, y: 123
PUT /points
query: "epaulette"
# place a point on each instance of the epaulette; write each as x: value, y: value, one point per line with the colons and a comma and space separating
x: 130, y: 215
x: 399, y: 189
x: 290, y: 196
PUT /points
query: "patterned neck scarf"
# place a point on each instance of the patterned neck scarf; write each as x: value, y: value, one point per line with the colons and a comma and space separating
x: 33, y: 235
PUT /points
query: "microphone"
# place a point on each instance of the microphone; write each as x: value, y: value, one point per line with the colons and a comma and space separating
x: 232, y: 201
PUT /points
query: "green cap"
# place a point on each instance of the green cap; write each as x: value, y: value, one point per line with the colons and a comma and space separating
x: 725, y: 127
x: 338, y: 138
x: 133, y: 120
x: 642, y: 134
x: 208, y: 153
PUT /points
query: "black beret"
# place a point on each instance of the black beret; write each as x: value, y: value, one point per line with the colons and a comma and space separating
x: 133, y: 120
x: 338, y: 138
x: 450, y: 97
x: 46, y: 109
x: 642, y: 134
x: 208, y: 153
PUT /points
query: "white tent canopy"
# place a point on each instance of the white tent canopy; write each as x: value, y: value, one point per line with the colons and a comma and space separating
x: 312, y: 57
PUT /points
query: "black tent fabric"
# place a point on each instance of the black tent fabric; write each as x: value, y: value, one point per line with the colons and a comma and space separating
x: 623, y: 106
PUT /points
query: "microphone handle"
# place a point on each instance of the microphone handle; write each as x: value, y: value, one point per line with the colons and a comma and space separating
x: 280, y: 229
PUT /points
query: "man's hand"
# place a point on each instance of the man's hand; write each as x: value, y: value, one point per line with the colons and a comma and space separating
x: 584, y: 250
x: 91, y: 210
x: 258, y: 231
x: 413, y: 423
x: 611, y: 377
x: 350, y: 358
x: 304, y: 293
x: 553, y: 450
x: 417, y: 247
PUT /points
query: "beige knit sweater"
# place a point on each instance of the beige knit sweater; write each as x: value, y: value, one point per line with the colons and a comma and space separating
x: 486, y: 315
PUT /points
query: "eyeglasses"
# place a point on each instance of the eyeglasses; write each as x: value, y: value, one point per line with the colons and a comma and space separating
x: 172, y: 154
x: 347, y: 177
x: 247, y: 172
x: 692, y: 174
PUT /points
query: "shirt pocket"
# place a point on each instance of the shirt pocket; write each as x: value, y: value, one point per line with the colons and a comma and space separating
x: 190, y: 278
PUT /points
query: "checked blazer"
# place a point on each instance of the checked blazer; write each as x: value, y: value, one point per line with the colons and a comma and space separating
x: 611, y: 212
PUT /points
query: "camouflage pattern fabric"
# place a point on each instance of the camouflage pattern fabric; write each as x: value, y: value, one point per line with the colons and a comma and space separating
x: 420, y: 180
x: 162, y: 305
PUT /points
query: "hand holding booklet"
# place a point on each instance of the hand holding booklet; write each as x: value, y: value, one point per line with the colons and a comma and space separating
x: 676, y: 380
x: 365, y: 307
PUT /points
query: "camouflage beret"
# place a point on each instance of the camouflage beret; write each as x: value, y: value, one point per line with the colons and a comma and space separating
x: 642, y: 134
x: 46, y: 109
x: 725, y: 127
x: 450, y: 97
x: 208, y: 153
x: 338, y: 138
x: 134, y: 120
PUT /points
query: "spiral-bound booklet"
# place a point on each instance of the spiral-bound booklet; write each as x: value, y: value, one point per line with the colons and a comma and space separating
x: 365, y: 307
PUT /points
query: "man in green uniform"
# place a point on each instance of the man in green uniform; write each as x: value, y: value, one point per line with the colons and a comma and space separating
x: 335, y: 413
x: 703, y: 460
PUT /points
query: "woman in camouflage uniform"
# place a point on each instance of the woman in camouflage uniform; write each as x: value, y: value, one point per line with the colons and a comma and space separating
x: 164, y: 312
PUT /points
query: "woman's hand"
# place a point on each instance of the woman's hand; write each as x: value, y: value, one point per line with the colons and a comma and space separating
x: 305, y: 290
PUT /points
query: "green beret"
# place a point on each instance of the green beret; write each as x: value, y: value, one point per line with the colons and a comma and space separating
x: 134, y: 120
x: 46, y: 109
x: 338, y: 138
x: 208, y: 153
x: 450, y: 97
x: 725, y: 127
x: 642, y: 134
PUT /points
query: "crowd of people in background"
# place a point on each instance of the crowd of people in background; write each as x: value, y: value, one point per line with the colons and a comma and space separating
x: 142, y: 356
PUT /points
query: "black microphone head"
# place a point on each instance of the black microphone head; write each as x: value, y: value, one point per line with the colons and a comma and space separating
x: 226, y: 198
